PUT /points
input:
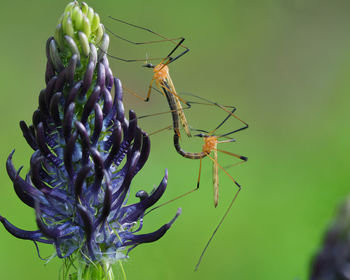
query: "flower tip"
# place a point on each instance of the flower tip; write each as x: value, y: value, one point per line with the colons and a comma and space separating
x: 11, y: 154
x: 132, y: 115
x: 178, y: 213
x: 19, y: 170
x: 142, y: 195
x: 164, y: 182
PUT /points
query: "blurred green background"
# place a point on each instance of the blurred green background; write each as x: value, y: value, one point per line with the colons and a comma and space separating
x: 284, y: 64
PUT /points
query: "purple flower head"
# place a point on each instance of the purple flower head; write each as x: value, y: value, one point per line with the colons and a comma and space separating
x: 86, y: 153
x: 332, y: 260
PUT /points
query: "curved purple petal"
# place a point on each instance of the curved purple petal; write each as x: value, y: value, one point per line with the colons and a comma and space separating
x: 24, y: 234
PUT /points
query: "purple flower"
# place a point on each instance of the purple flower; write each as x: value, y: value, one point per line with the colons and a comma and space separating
x: 86, y: 154
x: 332, y: 260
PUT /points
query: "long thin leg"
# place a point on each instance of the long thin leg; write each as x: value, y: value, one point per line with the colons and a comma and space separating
x: 149, y: 89
x: 225, y: 108
x: 184, y: 194
x: 210, y: 104
x: 148, y: 93
x: 171, y: 59
x: 160, y: 130
x: 215, y: 168
x: 134, y: 93
x: 220, y: 106
x: 242, y: 158
x: 232, y: 154
x: 215, y: 179
x: 222, y: 219
x: 235, y: 116
x: 148, y: 30
x: 168, y: 58
x: 173, y: 40
x: 130, y: 60
x: 206, y: 132
x: 228, y: 116
x: 226, y: 141
x: 160, y: 113
x: 230, y: 113
x: 234, y: 164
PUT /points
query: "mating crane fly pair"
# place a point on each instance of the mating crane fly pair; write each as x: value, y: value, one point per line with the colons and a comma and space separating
x: 166, y: 86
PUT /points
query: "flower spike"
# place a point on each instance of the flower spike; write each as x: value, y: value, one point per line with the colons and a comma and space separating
x: 86, y: 152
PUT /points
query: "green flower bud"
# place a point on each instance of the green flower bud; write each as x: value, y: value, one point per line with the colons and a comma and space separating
x: 84, y: 8
x: 59, y: 36
x: 95, y: 22
x: 64, y: 21
x: 79, y: 26
x: 90, y: 14
x: 86, y: 26
x: 77, y: 17
x: 70, y: 6
x: 61, y: 18
x: 99, y: 33
x: 103, y: 46
x: 72, y: 46
x: 84, y: 43
x: 93, y: 54
x: 68, y: 27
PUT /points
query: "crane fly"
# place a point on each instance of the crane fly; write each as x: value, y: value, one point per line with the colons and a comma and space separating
x: 160, y: 71
x: 210, y: 150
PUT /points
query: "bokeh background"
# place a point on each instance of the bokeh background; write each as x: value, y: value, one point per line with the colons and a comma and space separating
x: 284, y: 63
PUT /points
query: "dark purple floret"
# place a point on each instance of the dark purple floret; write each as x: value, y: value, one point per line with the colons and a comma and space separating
x: 332, y: 262
x: 86, y: 154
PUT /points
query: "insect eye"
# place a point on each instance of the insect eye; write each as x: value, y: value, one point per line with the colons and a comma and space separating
x: 200, y: 135
x: 148, y: 65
